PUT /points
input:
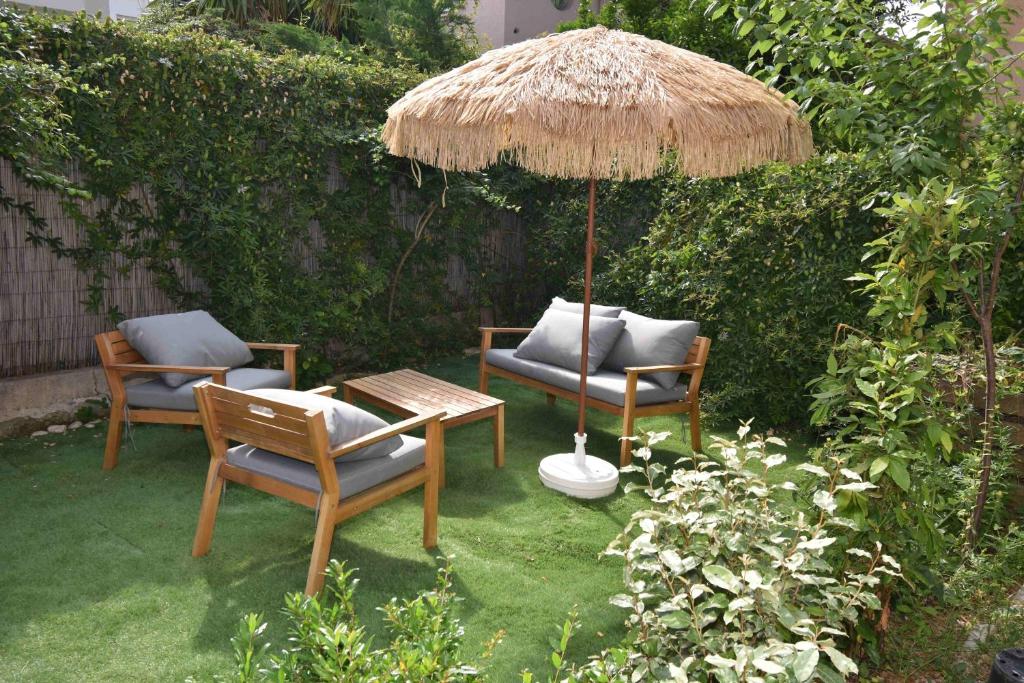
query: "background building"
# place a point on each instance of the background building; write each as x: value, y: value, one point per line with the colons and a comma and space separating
x: 118, y: 9
x: 503, y: 22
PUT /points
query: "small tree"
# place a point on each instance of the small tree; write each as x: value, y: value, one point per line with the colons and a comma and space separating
x: 934, y: 101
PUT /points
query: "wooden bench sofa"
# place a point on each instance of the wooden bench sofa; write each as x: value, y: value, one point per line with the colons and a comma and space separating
x: 627, y: 394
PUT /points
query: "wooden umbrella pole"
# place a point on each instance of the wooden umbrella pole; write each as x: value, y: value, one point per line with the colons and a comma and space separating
x: 591, y: 248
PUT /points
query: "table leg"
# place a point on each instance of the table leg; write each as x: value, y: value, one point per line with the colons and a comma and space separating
x: 346, y: 393
x: 440, y: 461
x: 499, y: 436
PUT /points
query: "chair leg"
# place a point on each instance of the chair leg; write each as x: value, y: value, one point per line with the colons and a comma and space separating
x: 114, y: 430
x: 208, y: 509
x: 695, y: 442
x: 626, y: 446
x: 321, y: 547
x: 483, y: 381
x: 551, y: 399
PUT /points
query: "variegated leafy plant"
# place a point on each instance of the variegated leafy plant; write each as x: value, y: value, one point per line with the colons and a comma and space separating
x: 728, y: 580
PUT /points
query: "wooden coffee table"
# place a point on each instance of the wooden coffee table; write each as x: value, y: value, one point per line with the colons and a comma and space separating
x: 407, y: 393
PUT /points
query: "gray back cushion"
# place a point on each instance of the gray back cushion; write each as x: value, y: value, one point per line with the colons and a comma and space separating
x: 560, y: 304
x: 344, y: 421
x: 192, y: 338
x: 649, y: 341
x: 558, y: 339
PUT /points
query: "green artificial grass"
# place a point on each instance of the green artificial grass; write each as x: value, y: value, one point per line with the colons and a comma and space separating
x: 98, y: 582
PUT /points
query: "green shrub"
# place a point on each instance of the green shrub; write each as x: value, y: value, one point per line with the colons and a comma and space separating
x: 760, y: 261
x: 728, y: 580
x: 327, y: 642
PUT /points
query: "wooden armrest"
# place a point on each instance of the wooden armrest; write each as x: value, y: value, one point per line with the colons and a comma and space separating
x: 507, y: 330
x: 184, y: 369
x: 326, y: 390
x: 270, y: 346
x: 386, y: 433
x: 686, y: 367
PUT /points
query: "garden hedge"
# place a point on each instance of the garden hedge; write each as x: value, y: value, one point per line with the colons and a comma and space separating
x: 255, y: 185
x: 760, y: 260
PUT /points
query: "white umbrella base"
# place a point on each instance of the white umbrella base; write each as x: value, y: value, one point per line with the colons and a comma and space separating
x: 579, y: 475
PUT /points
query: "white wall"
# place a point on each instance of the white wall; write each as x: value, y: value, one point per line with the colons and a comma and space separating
x: 525, y: 19
x: 123, y: 9
x: 489, y: 18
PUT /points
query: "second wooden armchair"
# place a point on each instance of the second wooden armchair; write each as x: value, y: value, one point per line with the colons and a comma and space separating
x: 286, y: 452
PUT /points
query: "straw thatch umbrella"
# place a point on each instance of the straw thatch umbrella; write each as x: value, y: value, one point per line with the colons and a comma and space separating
x: 596, y: 103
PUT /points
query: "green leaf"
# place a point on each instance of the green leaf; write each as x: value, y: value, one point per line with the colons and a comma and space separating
x: 947, y: 442
x: 720, y: 576
x: 746, y: 27
x: 898, y: 473
x: 804, y: 664
x: 678, y: 619
x: 768, y: 666
x: 869, y: 390
x: 841, y: 662
x: 878, y: 466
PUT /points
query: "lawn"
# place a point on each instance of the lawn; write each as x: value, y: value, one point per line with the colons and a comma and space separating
x: 98, y: 583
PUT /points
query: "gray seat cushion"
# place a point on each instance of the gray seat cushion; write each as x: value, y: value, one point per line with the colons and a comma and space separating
x: 649, y: 341
x: 344, y: 421
x: 192, y: 338
x: 560, y: 304
x: 156, y: 394
x: 557, y: 338
x: 353, y: 477
x: 604, y: 385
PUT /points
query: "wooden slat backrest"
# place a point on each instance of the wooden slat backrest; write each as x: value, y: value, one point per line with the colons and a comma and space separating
x: 114, y: 349
x: 270, y: 425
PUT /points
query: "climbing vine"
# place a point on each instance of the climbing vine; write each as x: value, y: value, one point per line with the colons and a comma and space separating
x: 255, y: 185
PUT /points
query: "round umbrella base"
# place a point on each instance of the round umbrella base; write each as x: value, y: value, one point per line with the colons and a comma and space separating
x: 579, y: 475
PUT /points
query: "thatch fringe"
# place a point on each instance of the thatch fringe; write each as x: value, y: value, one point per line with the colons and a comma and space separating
x: 596, y: 103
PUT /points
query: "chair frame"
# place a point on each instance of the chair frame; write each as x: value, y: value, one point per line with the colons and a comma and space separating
x: 693, y: 365
x: 120, y: 362
x: 231, y: 415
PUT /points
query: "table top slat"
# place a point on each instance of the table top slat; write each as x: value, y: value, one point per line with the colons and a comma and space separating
x: 416, y: 392
x: 435, y: 394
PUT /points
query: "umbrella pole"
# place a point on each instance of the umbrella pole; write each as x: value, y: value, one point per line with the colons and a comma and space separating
x: 578, y: 474
x: 581, y: 422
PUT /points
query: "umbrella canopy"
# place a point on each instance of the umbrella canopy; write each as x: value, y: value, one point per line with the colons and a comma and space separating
x: 596, y: 103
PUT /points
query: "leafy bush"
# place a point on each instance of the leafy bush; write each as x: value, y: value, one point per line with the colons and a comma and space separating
x: 728, y: 579
x: 327, y: 642
x: 760, y: 261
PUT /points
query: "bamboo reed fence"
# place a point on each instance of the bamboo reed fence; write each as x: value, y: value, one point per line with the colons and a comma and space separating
x: 44, y: 324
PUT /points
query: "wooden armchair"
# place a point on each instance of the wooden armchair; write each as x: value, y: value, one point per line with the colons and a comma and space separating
x: 163, y: 405
x: 293, y: 460
x: 626, y: 399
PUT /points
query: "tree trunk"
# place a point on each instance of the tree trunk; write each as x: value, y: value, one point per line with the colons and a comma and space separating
x: 982, y: 311
x: 977, y: 514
